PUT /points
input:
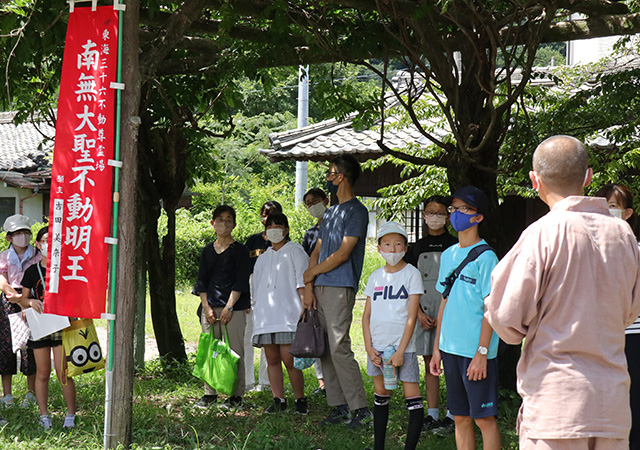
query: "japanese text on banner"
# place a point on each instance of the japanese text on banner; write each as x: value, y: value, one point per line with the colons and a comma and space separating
x: 80, y: 211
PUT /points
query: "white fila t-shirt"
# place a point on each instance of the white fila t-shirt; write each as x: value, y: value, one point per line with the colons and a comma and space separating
x: 389, y: 294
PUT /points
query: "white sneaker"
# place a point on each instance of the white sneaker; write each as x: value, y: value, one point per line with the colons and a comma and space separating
x: 45, y: 422
x: 29, y: 400
x: 7, y: 400
x: 69, y: 422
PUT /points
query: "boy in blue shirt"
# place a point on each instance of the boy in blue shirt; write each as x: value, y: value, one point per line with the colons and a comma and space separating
x: 465, y: 342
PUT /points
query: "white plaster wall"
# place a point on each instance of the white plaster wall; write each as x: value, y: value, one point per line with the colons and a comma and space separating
x: 590, y: 50
x: 372, y: 228
x: 31, y: 207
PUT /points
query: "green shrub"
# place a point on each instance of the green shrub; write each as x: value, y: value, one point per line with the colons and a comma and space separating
x: 372, y: 261
x: 192, y: 234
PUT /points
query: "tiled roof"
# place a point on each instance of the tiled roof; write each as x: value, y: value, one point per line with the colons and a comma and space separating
x: 330, y: 138
x: 39, y: 180
x: 23, y: 147
x: 324, y: 140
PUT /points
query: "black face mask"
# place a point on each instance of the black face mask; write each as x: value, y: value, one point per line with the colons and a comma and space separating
x: 332, y: 188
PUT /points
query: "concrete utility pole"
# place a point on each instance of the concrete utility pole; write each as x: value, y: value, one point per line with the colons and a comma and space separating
x: 303, y: 121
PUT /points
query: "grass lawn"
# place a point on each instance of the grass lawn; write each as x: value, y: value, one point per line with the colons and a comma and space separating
x: 165, y: 416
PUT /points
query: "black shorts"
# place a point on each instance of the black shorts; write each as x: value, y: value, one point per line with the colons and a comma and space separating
x: 44, y: 343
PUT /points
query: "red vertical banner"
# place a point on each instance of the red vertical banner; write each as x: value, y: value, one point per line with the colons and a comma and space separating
x: 81, y: 183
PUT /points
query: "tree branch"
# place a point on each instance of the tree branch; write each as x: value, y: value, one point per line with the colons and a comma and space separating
x: 440, y: 161
x: 574, y: 30
x: 167, y: 38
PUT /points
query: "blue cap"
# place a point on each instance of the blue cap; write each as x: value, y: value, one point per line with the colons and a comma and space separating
x: 472, y: 196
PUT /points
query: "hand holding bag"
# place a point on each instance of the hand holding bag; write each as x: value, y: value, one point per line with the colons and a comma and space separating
x: 217, y: 363
x: 310, y: 339
x: 19, y: 332
x: 82, y: 348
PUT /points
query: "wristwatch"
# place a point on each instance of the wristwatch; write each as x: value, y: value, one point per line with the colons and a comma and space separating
x: 230, y: 308
x: 483, y: 350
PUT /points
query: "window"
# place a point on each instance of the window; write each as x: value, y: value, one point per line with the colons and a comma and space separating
x: 7, y: 208
x: 414, y: 224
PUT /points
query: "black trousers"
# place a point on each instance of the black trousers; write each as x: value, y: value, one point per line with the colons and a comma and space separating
x: 632, y: 350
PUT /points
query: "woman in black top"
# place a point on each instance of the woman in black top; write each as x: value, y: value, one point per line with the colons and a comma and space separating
x: 258, y: 243
x: 316, y: 202
x: 223, y: 287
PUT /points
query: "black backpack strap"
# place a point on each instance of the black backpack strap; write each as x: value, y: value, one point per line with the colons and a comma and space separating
x: 471, y: 256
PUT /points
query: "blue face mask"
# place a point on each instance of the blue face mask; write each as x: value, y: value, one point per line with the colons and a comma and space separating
x: 331, y: 188
x: 461, y: 222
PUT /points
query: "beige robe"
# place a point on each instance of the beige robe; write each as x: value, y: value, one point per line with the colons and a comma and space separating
x: 569, y: 287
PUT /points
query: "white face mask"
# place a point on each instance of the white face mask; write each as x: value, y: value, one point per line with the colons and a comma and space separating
x: 20, y: 240
x: 392, y: 258
x: 275, y: 235
x: 44, y: 247
x: 317, y: 210
x: 435, y: 222
x: 615, y: 212
x: 222, y: 229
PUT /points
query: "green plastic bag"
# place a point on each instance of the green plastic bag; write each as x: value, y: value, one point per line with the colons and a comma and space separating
x: 217, y: 363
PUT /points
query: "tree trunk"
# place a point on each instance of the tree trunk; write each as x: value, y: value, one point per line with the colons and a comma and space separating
x: 162, y: 181
x: 139, y: 342
x: 462, y: 172
x: 122, y: 377
x: 161, y: 267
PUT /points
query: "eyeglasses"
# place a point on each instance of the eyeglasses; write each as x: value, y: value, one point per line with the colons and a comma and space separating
x: 462, y: 209
x: 329, y: 173
x: 434, y: 214
x: 228, y: 221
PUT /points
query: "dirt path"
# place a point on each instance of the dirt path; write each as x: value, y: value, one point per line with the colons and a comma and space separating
x: 150, y: 349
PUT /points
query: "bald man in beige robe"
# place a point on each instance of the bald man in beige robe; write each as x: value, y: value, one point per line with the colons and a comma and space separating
x: 568, y: 288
